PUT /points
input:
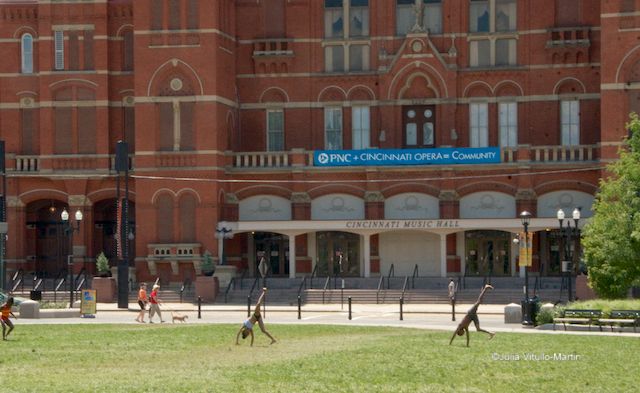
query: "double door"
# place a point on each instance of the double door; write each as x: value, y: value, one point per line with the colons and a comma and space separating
x: 488, y: 253
x: 273, y: 248
x: 338, y: 254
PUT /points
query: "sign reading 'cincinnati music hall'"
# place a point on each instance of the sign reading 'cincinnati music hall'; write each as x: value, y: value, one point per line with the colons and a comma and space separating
x: 402, y: 224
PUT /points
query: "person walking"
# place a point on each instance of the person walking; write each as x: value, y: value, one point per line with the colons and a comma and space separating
x: 472, y: 316
x: 5, y: 311
x: 155, y: 304
x: 142, y: 302
x: 247, y: 326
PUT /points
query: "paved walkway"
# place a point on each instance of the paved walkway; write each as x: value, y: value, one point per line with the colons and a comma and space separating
x: 422, y: 316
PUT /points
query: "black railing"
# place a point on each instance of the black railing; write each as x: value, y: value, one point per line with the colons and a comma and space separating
x: 314, y: 273
x: 17, y: 280
x: 380, y: 285
x: 38, y: 283
x: 232, y: 283
x: 58, y: 286
x: 392, y: 273
x: 413, y: 277
x: 242, y: 277
x: 303, y: 284
x: 404, y: 287
x: 324, y: 289
x: 253, y: 287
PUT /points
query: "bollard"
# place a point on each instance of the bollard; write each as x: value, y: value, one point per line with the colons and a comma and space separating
x: 453, y: 309
x: 349, y: 299
x: 248, y: 306
x: 299, y: 310
x: 401, y: 303
x: 199, y: 307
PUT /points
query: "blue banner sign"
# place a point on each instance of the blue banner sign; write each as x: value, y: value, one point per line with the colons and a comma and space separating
x: 437, y: 156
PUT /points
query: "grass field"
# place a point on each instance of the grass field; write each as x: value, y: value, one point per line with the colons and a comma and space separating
x: 308, y: 358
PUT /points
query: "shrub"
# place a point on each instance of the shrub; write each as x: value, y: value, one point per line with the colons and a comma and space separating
x: 546, y: 315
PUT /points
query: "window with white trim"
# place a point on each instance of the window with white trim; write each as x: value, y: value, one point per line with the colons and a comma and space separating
x: 27, y: 53
x: 493, y: 33
x: 570, y: 122
x: 431, y: 16
x: 346, y: 32
x: 333, y: 128
x: 360, y: 127
x: 478, y: 124
x: 508, y: 123
x: 275, y: 130
x: 58, y: 40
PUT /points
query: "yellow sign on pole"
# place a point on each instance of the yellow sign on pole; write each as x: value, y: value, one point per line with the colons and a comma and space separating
x: 88, y: 303
x: 526, y: 249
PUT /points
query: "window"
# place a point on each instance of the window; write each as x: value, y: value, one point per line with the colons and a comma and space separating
x: 58, y: 38
x: 361, y: 127
x: 492, y: 24
x: 27, y: 54
x: 333, y: 128
x: 419, y: 126
x: 478, y: 125
x: 127, y: 51
x: 406, y: 18
x: 75, y: 121
x: 348, y: 48
x: 570, y: 122
x: 508, y: 124
x: 174, y: 15
x: 275, y: 130
x: 157, y: 14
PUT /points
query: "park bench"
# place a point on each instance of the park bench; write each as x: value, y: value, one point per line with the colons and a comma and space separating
x: 576, y: 316
x: 621, y: 318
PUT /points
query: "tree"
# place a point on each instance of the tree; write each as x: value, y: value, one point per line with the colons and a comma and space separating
x: 611, y: 239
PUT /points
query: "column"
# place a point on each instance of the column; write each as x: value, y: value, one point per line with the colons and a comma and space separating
x: 366, y: 242
x: 443, y: 255
x: 292, y: 256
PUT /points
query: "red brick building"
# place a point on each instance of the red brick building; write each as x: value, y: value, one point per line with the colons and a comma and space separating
x: 223, y: 104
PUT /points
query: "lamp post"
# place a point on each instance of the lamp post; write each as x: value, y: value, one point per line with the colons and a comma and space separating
x: 567, y: 232
x: 69, y: 229
x: 527, y: 306
x: 223, y: 231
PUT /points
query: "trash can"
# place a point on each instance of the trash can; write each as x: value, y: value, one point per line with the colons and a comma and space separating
x: 35, y: 295
x: 530, y: 309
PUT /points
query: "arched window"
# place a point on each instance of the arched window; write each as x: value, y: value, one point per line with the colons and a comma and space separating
x: 188, y: 218
x: 27, y: 53
x: 164, y: 214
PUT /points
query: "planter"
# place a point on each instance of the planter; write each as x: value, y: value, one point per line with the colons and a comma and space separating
x: 583, y: 291
x: 105, y: 289
x: 207, y: 288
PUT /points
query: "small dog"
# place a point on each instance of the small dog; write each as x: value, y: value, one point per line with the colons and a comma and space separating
x: 177, y: 317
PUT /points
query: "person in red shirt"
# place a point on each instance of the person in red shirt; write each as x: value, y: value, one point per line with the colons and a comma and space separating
x: 5, y: 309
x: 155, y: 304
x: 142, y: 302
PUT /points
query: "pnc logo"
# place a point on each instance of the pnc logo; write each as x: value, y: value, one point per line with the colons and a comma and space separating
x: 323, y: 158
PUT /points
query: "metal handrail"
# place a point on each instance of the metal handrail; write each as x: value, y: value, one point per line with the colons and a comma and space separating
x: 458, y: 285
x: 404, y: 287
x: 413, y: 277
x: 57, y: 287
x: 314, y: 273
x: 392, y: 273
x: 380, y: 285
x: 36, y: 286
x: 253, y: 287
x: 81, y: 283
x: 302, y: 285
x: 231, y: 283
x: 20, y: 281
x: 326, y: 284
x: 242, y: 276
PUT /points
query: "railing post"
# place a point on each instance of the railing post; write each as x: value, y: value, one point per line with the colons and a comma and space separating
x: 199, y: 307
x: 401, y: 303
x: 349, y: 307
x: 299, y: 308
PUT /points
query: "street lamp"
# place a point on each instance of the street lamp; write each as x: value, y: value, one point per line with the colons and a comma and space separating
x: 223, y: 231
x: 567, y: 232
x: 527, y: 304
x: 69, y: 229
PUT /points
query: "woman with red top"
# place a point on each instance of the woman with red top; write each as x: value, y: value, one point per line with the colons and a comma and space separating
x: 142, y: 302
x: 4, y: 319
x: 155, y: 303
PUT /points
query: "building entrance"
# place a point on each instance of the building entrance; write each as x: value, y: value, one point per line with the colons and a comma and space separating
x: 488, y: 253
x: 338, y: 254
x: 274, y: 248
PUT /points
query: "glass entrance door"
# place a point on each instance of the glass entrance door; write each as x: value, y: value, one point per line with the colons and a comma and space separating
x: 274, y: 248
x: 338, y: 254
x: 488, y: 253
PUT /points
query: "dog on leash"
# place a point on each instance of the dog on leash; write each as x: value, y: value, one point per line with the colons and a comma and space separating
x: 178, y: 317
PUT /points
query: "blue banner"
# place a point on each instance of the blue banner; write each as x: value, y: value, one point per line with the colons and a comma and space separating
x: 436, y: 156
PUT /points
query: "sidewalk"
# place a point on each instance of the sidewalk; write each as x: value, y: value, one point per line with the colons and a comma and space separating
x: 421, y: 316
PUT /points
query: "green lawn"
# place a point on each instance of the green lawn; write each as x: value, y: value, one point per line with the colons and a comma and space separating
x: 188, y: 358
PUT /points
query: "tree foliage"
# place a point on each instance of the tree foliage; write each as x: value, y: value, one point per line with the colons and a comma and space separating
x: 611, y: 239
